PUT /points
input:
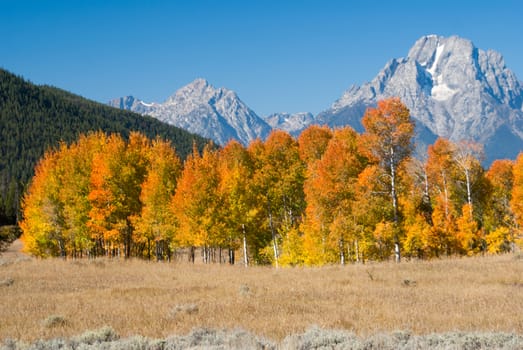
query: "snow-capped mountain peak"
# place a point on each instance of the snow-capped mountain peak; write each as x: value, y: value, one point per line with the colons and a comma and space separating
x: 452, y: 89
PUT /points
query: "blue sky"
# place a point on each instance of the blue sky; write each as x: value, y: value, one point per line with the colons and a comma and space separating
x: 277, y: 55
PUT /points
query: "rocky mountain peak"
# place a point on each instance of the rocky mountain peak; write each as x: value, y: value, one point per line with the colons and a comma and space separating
x: 199, y: 107
x: 199, y: 90
x: 452, y: 89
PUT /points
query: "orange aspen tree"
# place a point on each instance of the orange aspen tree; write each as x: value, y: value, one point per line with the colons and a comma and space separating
x: 313, y: 142
x: 196, y: 204
x: 468, y: 234
x: 440, y: 168
x: 387, y: 141
x: 102, y: 221
x: 330, y: 193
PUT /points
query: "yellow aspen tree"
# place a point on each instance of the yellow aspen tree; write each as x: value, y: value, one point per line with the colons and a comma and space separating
x: 77, y: 162
x: 239, y: 200
x: 155, y: 223
x: 265, y: 231
x: 499, y: 218
x: 41, y: 224
x: 279, y: 176
x: 372, y: 205
x: 117, y: 174
x: 500, y: 240
x: 418, y: 238
x: 440, y: 168
x: 467, y: 156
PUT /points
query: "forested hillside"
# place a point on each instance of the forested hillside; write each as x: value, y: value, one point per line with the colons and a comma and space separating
x: 34, y: 118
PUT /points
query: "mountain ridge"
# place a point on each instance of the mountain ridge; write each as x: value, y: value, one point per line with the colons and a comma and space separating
x: 199, y: 107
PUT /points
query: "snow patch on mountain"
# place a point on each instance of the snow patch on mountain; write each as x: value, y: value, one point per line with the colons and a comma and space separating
x: 294, y: 123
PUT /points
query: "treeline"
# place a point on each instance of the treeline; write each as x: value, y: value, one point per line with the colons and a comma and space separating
x: 34, y: 118
x: 330, y: 196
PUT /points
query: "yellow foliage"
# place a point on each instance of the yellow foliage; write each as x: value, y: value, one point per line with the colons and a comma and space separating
x: 498, y: 241
x: 292, y: 249
x: 418, y: 237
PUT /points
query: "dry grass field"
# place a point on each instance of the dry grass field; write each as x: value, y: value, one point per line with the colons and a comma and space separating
x: 43, y: 299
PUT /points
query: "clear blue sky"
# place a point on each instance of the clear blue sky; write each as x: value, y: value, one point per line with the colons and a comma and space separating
x: 277, y: 55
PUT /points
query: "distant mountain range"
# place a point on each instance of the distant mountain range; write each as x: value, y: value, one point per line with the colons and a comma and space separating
x: 452, y: 89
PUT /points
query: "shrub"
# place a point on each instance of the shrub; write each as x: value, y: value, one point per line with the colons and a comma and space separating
x: 187, y: 309
x: 54, y: 321
x: 317, y: 338
x: 204, y: 338
x: 104, y: 334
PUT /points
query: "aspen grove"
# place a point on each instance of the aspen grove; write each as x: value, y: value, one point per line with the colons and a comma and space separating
x: 329, y: 196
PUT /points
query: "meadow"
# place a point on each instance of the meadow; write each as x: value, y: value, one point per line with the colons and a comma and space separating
x: 54, y: 298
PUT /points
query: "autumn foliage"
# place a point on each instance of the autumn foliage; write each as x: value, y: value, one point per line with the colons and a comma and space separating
x: 329, y: 196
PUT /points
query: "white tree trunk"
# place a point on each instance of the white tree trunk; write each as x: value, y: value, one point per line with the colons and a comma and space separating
x: 357, y: 247
x: 394, y: 205
x: 342, y: 253
x: 469, y: 195
x: 245, y: 256
x: 274, y: 243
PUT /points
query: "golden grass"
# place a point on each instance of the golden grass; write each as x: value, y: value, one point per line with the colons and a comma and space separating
x: 160, y: 299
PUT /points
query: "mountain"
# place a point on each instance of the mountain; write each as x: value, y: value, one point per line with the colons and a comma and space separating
x: 452, y: 89
x: 129, y: 103
x: 294, y: 124
x: 216, y: 113
x: 34, y: 118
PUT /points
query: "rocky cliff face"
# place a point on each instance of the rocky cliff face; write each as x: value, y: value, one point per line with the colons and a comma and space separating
x: 452, y: 89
